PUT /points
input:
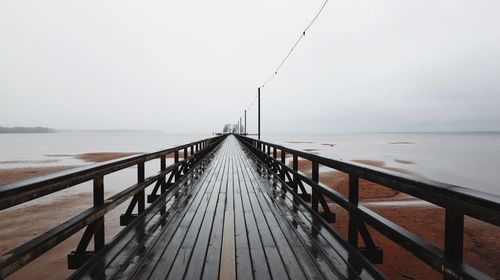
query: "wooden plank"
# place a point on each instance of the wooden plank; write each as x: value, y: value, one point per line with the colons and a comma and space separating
x: 244, y: 269
x: 227, y: 270
x: 228, y: 258
x: 212, y: 260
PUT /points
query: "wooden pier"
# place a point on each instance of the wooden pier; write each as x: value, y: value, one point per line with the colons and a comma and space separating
x: 226, y: 224
x: 234, y: 208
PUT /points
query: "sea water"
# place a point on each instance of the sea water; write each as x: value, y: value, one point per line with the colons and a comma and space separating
x: 465, y: 159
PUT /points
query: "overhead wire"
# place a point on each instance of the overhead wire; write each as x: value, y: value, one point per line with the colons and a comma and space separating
x: 251, y: 103
x: 302, y: 35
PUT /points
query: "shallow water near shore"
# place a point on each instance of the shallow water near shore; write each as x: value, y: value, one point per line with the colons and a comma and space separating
x: 465, y: 159
x: 60, y: 148
x: 469, y: 160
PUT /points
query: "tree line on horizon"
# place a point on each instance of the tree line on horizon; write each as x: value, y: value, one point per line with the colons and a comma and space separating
x: 233, y: 128
x: 22, y: 129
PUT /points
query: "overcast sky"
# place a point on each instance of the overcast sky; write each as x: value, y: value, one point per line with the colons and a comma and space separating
x: 192, y: 66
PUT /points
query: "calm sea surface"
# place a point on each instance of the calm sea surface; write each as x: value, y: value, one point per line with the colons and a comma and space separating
x: 466, y: 159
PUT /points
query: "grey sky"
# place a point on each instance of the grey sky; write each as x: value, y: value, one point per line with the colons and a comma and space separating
x: 191, y: 66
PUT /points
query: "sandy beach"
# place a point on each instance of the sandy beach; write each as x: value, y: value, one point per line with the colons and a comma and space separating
x: 102, y: 157
x: 16, y: 174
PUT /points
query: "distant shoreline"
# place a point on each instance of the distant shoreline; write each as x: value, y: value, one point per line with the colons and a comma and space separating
x: 23, y: 129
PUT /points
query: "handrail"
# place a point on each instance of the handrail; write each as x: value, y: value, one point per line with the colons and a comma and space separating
x: 457, y: 201
x: 23, y: 191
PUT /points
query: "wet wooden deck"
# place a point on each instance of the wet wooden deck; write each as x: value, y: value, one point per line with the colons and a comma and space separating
x: 230, y: 223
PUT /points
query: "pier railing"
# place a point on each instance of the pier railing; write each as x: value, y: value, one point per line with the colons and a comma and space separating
x: 169, y: 178
x: 457, y: 202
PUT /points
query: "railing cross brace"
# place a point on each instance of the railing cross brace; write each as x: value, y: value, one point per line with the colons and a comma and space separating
x: 96, y: 229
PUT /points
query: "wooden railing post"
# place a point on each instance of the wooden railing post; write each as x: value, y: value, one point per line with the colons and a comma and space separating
x: 141, y: 199
x: 283, y: 162
x: 275, y: 154
x: 163, y: 166
x: 99, y: 239
x: 176, y: 160
x: 315, y: 192
x: 453, y: 237
x: 295, y: 166
x: 353, y: 199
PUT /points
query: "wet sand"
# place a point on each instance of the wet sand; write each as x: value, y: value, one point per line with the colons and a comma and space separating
x: 102, y: 157
x: 404, y: 161
x: 402, y: 143
x: 16, y: 174
x: 310, y: 150
x: 328, y: 144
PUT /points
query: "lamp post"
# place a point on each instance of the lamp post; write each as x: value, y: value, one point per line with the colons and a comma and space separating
x: 258, y: 98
